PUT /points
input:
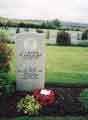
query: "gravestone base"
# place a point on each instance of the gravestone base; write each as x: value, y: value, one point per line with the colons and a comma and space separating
x: 25, y: 86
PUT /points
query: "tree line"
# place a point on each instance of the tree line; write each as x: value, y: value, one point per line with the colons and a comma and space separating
x: 53, y: 24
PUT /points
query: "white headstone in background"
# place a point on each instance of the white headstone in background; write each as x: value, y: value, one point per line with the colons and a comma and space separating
x: 29, y: 61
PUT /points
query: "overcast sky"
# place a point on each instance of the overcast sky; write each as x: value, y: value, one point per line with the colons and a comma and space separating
x: 67, y: 10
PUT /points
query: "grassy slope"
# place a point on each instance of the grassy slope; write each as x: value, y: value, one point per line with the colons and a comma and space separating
x: 63, y: 65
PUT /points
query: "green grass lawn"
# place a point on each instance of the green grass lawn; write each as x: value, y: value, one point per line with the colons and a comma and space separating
x: 66, y: 64
x: 47, y: 118
x: 63, y: 65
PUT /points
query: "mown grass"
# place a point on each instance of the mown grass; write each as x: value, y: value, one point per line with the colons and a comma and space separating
x: 66, y: 64
x: 47, y: 118
x: 62, y: 65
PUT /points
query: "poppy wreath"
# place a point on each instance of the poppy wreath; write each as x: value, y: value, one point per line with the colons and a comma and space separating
x: 43, y: 99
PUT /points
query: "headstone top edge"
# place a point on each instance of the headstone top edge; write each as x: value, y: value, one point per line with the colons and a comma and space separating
x: 30, y: 33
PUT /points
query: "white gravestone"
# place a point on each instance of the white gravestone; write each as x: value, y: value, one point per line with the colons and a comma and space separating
x: 29, y: 61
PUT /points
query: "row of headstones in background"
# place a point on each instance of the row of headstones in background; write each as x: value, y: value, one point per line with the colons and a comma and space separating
x: 29, y: 61
x: 51, y: 36
x: 75, y: 37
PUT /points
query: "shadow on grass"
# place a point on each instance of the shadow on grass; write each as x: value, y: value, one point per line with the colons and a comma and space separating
x: 66, y: 85
x: 49, y: 44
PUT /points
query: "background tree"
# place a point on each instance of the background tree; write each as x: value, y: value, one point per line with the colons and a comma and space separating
x: 5, y: 51
x: 5, y: 58
x: 85, y: 35
x: 56, y: 24
x: 63, y: 38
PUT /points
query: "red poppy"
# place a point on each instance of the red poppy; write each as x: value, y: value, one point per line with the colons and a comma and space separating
x: 44, y: 96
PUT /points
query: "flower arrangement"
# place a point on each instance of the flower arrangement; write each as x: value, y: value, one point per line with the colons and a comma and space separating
x: 33, y: 104
x: 44, y: 96
x: 28, y: 105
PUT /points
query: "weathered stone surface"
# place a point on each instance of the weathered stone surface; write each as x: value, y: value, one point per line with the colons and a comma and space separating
x: 29, y: 61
